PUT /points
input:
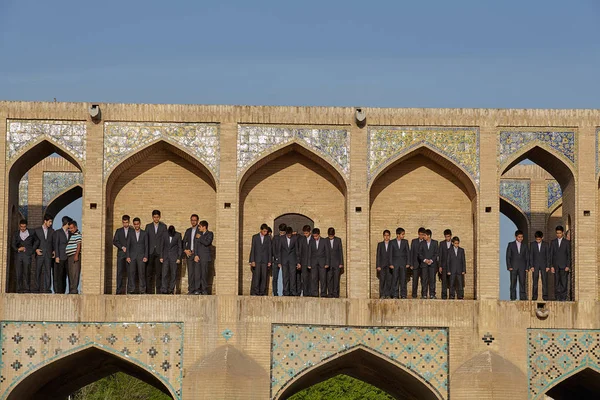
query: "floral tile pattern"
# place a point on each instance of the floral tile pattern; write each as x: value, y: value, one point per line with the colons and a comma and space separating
x: 122, y: 139
x: 512, y: 141
x: 54, y: 183
x: 69, y: 135
x: 23, y: 195
x: 295, y: 348
x: 517, y: 191
x: 28, y: 346
x: 460, y: 145
x: 254, y: 141
x: 554, y: 354
x: 553, y: 192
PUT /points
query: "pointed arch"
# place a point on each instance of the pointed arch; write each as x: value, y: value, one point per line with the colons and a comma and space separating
x: 549, y: 159
x: 63, y: 199
x: 62, y: 375
x: 554, y: 207
x: 581, y: 383
x: 470, y: 187
x: 516, y: 215
x: 368, y: 365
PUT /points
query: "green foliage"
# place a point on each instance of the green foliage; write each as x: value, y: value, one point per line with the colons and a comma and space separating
x: 119, y: 386
x: 342, y: 387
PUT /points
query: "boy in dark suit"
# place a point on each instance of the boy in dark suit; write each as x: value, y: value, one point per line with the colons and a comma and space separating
x: 560, y: 262
x: 399, y: 263
x: 289, y: 258
x: 202, y: 244
x: 517, y: 258
x: 539, y: 264
x: 445, y: 247
x: 303, y: 243
x: 336, y: 263
x: 318, y: 255
x: 59, y: 269
x: 137, y: 256
x: 23, y: 243
x: 260, y: 260
x: 120, y: 242
x: 190, y: 253
x: 383, y: 266
x: 456, y: 267
x: 156, y: 232
x: 171, y: 258
x: 43, y: 256
x: 276, y: 264
x: 415, y: 263
x: 429, y: 257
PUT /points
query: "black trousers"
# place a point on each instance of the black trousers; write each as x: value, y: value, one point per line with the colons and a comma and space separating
x: 306, y: 281
x: 153, y: 274
x: 398, y: 282
x: 333, y: 281
x: 428, y: 273
x: 169, y: 276
x: 385, y: 282
x: 416, y: 273
x: 136, y: 268
x: 192, y: 266
x: 121, y: 274
x: 456, y: 286
x: 42, y: 281
x: 259, y: 280
x: 562, y: 283
x: 536, y: 277
x: 298, y: 282
x: 288, y: 269
x: 445, y: 282
x: 275, y: 273
x: 203, y: 281
x: 318, y: 278
x: 521, y: 275
x: 23, y: 270
x: 59, y: 276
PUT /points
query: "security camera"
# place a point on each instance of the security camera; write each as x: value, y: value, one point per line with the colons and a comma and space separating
x: 94, y: 111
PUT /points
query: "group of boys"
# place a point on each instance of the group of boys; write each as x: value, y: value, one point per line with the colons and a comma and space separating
x: 310, y: 264
x: 149, y: 258
x: 424, y: 258
x: 57, y: 257
x: 541, y: 259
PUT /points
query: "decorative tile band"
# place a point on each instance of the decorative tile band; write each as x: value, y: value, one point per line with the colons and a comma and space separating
x: 513, y: 141
x: 254, y: 141
x: 296, y: 348
x: 554, y: 354
x: 54, y: 183
x: 121, y: 139
x: 23, y: 195
x: 553, y: 193
x: 460, y: 145
x: 28, y: 346
x: 69, y: 135
x: 517, y: 191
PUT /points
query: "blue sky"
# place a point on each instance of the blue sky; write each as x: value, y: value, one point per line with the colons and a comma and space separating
x: 463, y: 53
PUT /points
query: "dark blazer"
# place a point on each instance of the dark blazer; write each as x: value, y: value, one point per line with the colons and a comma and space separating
x: 399, y: 255
x: 137, y: 249
x: 444, y: 251
x: 303, y: 249
x: 514, y: 259
x: 261, y: 253
x: 30, y: 243
x: 539, y: 259
x: 119, y: 240
x: 155, y: 240
x: 414, y: 253
x: 336, y: 254
x: 60, y: 244
x: 187, y: 238
x: 431, y: 253
x: 456, y: 263
x: 172, y: 249
x: 289, y: 254
x: 321, y: 255
x: 383, y: 255
x: 275, y: 242
x: 202, y: 245
x: 560, y: 257
x: 43, y: 244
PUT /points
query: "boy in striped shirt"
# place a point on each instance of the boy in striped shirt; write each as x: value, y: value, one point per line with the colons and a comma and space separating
x: 73, y: 251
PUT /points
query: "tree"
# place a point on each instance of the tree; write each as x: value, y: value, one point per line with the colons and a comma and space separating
x: 119, y: 386
x: 342, y: 387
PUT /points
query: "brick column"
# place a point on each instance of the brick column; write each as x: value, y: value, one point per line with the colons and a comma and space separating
x: 92, y: 266
x: 358, y: 222
x: 227, y: 226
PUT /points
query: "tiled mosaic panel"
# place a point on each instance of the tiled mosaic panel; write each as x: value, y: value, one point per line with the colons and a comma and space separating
x: 512, y: 141
x: 23, y: 195
x: 553, y: 192
x: 554, y: 354
x: 54, y: 183
x: 121, y: 139
x: 460, y: 145
x: 517, y: 191
x: 27, y: 346
x: 69, y: 135
x: 254, y: 141
x: 298, y: 347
